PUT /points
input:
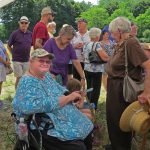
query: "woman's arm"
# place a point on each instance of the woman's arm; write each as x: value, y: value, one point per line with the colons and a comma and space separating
x: 103, y: 54
x: 63, y: 100
x: 79, y: 69
x: 145, y: 96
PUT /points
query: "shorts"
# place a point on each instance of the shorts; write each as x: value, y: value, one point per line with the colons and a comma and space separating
x: 2, y: 73
x: 20, y: 68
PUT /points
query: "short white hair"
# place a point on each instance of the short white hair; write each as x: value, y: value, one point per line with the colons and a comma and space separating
x: 46, y: 10
x: 94, y: 32
x: 120, y: 24
x: 51, y: 24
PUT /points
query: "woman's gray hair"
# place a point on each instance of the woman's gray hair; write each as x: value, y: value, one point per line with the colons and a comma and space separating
x: 94, y: 32
x: 120, y: 24
x: 51, y: 23
x: 67, y: 30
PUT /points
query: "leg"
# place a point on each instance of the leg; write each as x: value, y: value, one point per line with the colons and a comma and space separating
x: 17, y: 81
x: 1, y: 87
x: 89, y: 84
x: 96, y: 84
x: 104, y: 80
x: 75, y: 73
x: 70, y: 72
x: 18, y: 71
x: 115, y: 105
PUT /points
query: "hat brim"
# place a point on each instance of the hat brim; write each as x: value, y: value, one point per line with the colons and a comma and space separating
x: 127, y: 114
x: 50, y: 55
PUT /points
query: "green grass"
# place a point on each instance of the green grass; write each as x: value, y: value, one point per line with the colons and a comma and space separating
x: 7, y: 124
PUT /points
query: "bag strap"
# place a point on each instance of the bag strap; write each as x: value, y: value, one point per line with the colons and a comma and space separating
x: 126, y: 59
x: 94, y: 48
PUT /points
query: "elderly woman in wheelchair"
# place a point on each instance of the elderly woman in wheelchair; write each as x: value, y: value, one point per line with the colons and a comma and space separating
x: 54, y: 122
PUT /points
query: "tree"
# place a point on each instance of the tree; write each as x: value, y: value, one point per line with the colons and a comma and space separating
x: 143, y: 22
x: 96, y: 17
x: 32, y: 8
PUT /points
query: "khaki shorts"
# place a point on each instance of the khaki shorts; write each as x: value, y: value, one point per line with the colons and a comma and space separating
x: 2, y: 73
x: 20, y: 68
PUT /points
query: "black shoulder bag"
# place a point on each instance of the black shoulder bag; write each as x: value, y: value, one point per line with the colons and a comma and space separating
x: 94, y: 56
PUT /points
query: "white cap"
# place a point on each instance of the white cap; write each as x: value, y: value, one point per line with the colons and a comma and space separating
x: 24, y: 18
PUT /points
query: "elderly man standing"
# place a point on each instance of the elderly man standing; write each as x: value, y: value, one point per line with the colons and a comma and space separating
x: 40, y: 32
x: 81, y: 38
x: 19, y: 45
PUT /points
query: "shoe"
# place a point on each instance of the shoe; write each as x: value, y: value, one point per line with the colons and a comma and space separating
x: 1, y: 104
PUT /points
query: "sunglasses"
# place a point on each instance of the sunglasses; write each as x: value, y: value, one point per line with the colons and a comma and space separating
x: 24, y: 22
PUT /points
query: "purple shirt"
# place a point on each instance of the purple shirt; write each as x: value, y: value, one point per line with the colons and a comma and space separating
x: 62, y: 58
x: 21, y: 43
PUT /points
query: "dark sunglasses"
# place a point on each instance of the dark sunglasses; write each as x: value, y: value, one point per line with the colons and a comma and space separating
x: 24, y: 22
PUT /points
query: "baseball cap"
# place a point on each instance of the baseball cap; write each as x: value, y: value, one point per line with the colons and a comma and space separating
x: 41, y: 53
x: 24, y: 18
x: 82, y: 20
x: 47, y: 10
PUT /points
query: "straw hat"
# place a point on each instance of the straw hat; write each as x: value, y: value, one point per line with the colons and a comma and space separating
x: 135, y: 118
x: 145, y: 46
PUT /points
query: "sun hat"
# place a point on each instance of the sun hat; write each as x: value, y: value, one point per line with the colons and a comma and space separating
x: 24, y: 18
x: 135, y: 118
x: 41, y: 53
x: 145, y: 46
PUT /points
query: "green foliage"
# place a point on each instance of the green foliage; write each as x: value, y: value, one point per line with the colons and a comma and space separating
x: 143, y: 22
x: 2, y: 32
x: 135, y: 10
x: 67, y: 11
x: 97, y: 17
x: 146, y: 34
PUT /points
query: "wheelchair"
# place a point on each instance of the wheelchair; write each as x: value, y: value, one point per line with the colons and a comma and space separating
x: 34, y: 136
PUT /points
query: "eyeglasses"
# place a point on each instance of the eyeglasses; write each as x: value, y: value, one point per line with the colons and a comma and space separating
x: 41, y: 61
x: 24, y: 22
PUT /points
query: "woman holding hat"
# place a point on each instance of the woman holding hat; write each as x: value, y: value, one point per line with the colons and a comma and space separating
x: 120, y: 29
x: 62, y: 125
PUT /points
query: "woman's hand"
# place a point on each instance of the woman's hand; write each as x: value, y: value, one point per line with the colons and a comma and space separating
x: 144, y: 98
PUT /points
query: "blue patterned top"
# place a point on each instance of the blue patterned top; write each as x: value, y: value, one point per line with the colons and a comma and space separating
x: 91, y: 67
x: 37, y: 96
x: 2, y: 52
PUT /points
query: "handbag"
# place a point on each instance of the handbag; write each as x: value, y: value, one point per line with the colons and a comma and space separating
x: 131, y: 88
x: 9, y: 70
x: 94, y: 56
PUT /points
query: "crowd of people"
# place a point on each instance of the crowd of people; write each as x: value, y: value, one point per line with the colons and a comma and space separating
x: 52, y: 78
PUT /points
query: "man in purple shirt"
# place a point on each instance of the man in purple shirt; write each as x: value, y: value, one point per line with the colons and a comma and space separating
x: 19, y: 45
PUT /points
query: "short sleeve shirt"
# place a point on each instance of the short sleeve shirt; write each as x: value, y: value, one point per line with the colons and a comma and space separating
x: 136, y: 56
x: 21, y: 42
x: 91, y: 67
x: 62, y: 58
x: 43, y: 96
x: 2, y: 51
x: 80, y: 39
x: 40, y: 31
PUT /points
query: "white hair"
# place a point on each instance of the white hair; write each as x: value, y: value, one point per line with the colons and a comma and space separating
x: 94, y: 32
x: 120, y: 24
x: 51, y: 24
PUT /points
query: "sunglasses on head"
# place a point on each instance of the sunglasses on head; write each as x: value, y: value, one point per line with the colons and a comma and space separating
x: 24, y: 22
